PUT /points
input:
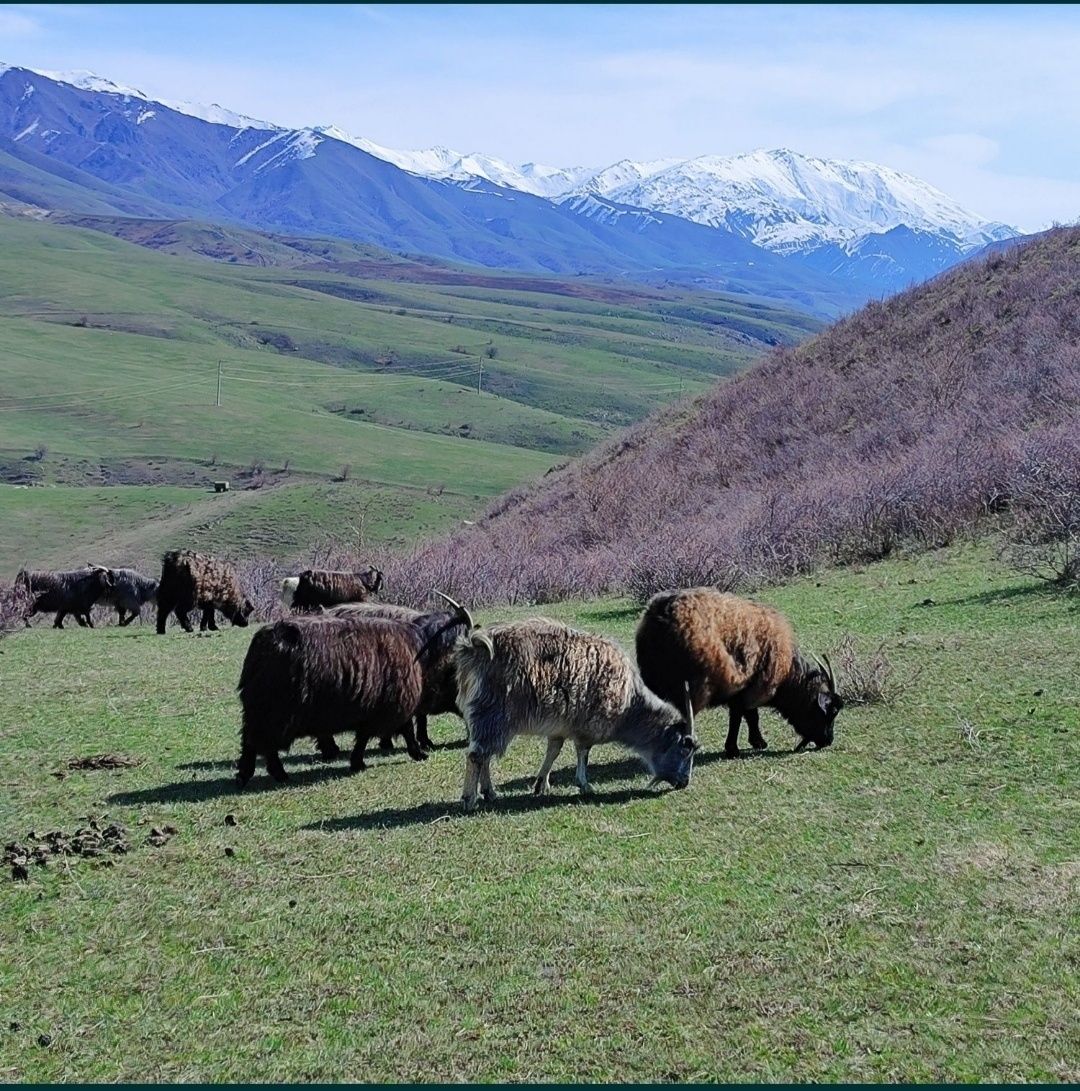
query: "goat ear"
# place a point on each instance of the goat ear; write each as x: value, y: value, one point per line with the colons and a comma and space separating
x: 829, y: 703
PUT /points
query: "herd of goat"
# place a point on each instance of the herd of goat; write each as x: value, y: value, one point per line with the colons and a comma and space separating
x: 345, y: 662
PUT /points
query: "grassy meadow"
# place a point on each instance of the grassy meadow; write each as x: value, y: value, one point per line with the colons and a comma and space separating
x: 338, y: 362
x: 902, y: 906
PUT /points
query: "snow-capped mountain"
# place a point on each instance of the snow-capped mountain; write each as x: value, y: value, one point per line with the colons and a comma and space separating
x: 449, y: 165
x: 785, y: 201
x: 823, y: 233
x: 780, y: 200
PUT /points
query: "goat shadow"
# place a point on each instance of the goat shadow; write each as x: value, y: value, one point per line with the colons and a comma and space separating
x: 373, y: 753
x: 424, y: 814
x: 1002, y: 595
x: 201, y: 791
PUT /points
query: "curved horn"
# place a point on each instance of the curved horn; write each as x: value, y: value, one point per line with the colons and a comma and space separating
x: 98, y: 567
x: 829, y: 671
x: 462, y: 612
x: 689, y: 709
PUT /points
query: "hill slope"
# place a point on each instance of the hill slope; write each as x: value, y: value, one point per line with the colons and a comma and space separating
x: 906, y: 421
x: 340, y: 356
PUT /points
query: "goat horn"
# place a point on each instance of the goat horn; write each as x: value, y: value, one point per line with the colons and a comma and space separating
x: 99, y: 567
x: 832, y: 677
x: 460, y: 609
x: 689, y: 710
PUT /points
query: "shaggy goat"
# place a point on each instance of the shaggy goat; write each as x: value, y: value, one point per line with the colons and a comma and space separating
x: 327, y: 747
x: 130, y: 591
x: 314, y: 588
x: 733, y: 652
x: 191, y: 579
x: 64, y: 593
x: 539, y: 677
x: 314, y: 676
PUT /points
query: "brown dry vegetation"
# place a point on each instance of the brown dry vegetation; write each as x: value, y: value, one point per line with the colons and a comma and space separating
x: 907, y: 422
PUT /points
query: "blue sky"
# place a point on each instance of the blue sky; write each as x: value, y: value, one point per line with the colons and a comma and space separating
x: 981, y: 101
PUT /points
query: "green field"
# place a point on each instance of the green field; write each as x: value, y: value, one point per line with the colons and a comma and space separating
x: 901, y: 907
x: 340, y: 364
x: 67, y: 525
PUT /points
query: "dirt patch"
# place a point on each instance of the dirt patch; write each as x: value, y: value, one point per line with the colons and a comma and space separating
x: 104, y: 761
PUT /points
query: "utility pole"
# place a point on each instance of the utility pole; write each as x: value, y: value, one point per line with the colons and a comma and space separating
x: 480, y: 376
x: 218, y: 402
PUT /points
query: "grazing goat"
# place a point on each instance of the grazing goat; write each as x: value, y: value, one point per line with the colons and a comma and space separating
x: 318, y: 676
x: 129, y: 593
x: 539, y: 677
x: 314, y: 588
x: 733, y: 652
x: 191, y: 579
x: 64, y: 593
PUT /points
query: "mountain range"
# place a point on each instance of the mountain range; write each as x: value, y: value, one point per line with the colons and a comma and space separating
x: 822, y: 234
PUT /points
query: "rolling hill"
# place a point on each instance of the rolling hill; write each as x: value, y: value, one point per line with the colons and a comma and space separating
x: 349, y: 405
x: 905, y: 423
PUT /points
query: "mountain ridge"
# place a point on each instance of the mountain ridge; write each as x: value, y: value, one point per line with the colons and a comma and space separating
x: 208, y: 162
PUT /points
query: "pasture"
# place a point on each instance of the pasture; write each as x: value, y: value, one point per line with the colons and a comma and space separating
x: 902, y: 906
x: 332, y: 369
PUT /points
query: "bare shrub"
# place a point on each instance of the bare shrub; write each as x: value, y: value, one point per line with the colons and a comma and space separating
x: 1044, y: 534
x: 903, y: 425
x: 261, y: 579
x: 14, y: 607
x: 863, y: 677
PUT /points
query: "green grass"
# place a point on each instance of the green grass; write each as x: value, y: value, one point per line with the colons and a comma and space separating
x: 110, y: 354
x: 902, y: 906
x: 66, y: 525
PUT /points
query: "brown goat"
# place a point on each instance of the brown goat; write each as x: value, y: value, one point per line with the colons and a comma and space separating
x: 736, y: 653
x: 314, y: 588
x: 317, y: 676
x: 190, y: 579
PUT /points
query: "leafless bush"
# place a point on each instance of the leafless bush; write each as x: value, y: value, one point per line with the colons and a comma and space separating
x: 14, y: 607
x: 1044, y: 535
x: 864, y: 677
x: 903, y: 425
x: 261, y: 580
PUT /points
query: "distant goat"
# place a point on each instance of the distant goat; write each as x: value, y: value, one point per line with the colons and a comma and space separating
x: 539, y: 677
x: 321, y: 675
x: 737, y: 653
x: 314, y: 588
x: 64, y: 593
x: 129, y: 593
x: 190, y: 580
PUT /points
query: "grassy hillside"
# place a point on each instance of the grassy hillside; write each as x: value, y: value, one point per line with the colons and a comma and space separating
x: 907, y: 422
x: 901, y: 907
x: 350, y: 363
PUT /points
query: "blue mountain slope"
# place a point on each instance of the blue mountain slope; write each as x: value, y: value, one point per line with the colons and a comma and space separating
x: 93, y: 150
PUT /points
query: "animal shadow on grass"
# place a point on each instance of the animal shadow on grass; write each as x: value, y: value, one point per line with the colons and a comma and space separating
x: 199, y: 791
x: 426, y: 813
x: 1002, y: 595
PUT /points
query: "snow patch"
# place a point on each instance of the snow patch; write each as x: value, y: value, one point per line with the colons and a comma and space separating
x: 29, y: 130
x: 145, y: 115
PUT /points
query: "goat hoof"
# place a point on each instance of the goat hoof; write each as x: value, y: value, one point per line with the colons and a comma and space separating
x: 491, y: 795
x: 469, y: 805
x: 418, y: 755
x: 540, y: 788
x: 730, y: 752
x: 586, y: 789
x: 759, y: 744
